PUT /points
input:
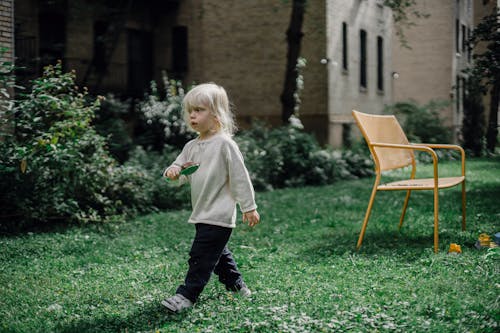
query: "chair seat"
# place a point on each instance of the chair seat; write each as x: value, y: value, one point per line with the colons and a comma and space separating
x: 421, y: 184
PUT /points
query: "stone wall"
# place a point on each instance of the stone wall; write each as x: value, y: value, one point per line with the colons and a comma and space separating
x: 7, y: 28
x: 241, y: 45
x: 345, y: 91
x: 432, y: 68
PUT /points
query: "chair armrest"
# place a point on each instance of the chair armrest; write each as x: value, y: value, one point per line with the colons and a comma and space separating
x: 447, y: 146
x: 410, y: 147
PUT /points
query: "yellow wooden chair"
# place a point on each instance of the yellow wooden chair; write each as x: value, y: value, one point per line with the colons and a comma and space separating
x: 390, y: 150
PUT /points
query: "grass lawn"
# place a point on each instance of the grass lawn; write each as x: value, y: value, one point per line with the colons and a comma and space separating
x: 300, y: 263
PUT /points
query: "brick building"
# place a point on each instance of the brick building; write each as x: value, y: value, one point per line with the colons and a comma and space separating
x: 119, y: 46
x: 238, y: 44
x: 6, y: 40
x: 7, y: 28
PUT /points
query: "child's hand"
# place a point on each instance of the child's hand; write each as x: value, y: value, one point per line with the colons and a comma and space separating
x: 173, y: 172
x: 252, y: 217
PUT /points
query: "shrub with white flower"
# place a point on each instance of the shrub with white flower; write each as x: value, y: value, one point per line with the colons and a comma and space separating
x: 165, y: 113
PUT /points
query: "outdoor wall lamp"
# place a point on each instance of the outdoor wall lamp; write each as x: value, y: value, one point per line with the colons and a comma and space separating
x: 395, y: 75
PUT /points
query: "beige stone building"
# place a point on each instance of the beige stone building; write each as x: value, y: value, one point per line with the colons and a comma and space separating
x: 354, y: 59
x: 433, y: 68
x: 359, y: 35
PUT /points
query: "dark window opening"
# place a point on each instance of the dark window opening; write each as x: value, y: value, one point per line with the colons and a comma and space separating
x: 380, y: 63
x: 457, y: 35
x: 464, y: 38
x: 363, y: 59
x: 52, y: 30
x: 469, y: 48
x: 345, y: 64
x: 179, y: 50
x: 347, y: 135
x: 140, y: 61
x: 26, y: 55
x: 99, y: 59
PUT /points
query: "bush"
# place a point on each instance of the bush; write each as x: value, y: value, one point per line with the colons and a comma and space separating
x: 110, y: 122
x: 159, y: 193
x: 287, y: 156
x: 422, y: 123
x: 161, y: 119
x: 53, y: 164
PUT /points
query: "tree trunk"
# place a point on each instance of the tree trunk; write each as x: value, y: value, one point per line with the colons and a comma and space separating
x: 491, y: 135
x: 294, y: 36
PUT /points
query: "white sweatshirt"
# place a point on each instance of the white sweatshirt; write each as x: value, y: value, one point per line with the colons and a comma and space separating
x: 220, y: 182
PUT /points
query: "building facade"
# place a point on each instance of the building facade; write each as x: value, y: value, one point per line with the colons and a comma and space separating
x: 359, y: 62
x: 7, y: 29
x: 354, y: 59
x: 432, y: 70
x: 6, y: 43
x: 242, y: 45
x: 120, y: 46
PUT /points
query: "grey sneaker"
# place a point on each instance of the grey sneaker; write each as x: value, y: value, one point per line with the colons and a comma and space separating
x: 177, y: 303
x: 245, y: 292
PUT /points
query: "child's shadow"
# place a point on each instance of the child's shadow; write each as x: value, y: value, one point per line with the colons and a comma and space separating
x: 147, y: 318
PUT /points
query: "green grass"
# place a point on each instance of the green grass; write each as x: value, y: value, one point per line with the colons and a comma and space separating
x: 300, y: 262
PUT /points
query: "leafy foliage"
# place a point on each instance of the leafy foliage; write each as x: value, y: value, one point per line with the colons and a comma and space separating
x: 488, y: 62
x: 288, y: 156
x: 160, y: 195
x: 53, y: 164
x: 421, y: 123
x: 486, y: 69
x: 473, y: 125
x: 161, y: 119
x: 111, y: 122
x: 7, y: 82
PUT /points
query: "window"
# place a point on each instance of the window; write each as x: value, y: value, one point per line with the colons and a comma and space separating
x: 140, y: 61
x: 380, y: 63
x: 52, y: 32
x: 100, y: 30
x: 179, y: 49
x: 362, y: 59
x: 345, y: 64
x: 469, y: 48
x: 457, y: 26
x: 464, y: 38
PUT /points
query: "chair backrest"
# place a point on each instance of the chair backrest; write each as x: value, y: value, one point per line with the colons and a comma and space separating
x: 384, y: 129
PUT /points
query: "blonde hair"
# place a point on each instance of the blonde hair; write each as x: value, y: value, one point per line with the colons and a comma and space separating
x: 213, y: 97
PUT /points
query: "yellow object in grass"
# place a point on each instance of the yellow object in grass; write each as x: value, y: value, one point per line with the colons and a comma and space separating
x: 455, y: 248
x: 484, y: 239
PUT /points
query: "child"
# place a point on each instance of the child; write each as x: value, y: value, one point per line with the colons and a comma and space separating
x: 220, y: 182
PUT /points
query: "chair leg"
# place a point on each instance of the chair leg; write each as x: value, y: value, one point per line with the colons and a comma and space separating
x: 436, y: 220
x: 404, y: 208
x: 463, y: 205
x: 367, y: 216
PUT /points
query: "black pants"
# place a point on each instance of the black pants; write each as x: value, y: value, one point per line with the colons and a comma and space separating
x: 209, y: 253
